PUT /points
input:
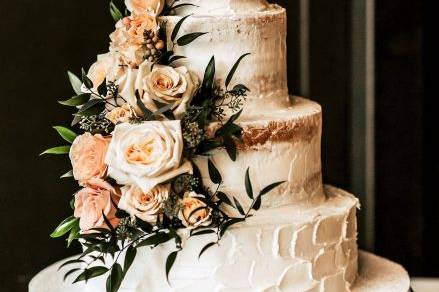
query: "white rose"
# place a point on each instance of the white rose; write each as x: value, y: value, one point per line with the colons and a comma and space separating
x: 146, y: 154
x: 108, y: 66
x: 154, y: 7
x: 171, y: 85
x: 194, y: 212
x: 144, y: 205
x: 164, y: 84
x: 120, y: 114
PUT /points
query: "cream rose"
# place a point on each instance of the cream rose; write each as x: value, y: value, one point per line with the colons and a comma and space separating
x: 144, y: 205
x: 121, y: 114
x: 153, y: 7
x: 91, y: 202
x: 146, y: 154
x: 87, y: 156
x: 171, y: 85
x: 128, y: 39
x: 108, y: 66
x: 194, y: 212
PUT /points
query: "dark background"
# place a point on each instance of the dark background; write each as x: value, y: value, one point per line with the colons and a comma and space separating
x: 41, y: 39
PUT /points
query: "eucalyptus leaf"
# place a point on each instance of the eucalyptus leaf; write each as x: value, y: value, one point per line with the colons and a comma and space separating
x: 130, y: 255
x: 66, y: 133
x: 70, y: 272
x: 239, y: 207
x: 177, y: 27
x: 75, y: 82
x: 209, y: 75
x: 257, y: 204
x: 223, y: 198
x: 230, y: 147
x: 114, y: 279
x: 227, y: 224
x: 189, y: 38
x: 57, y: 150
x: 248, y: 184
x: 214, y: 174
x: 233, y: 70
x: 170, y: 262
x: 65, y: 226
x: 87, y: 82
x: 205, y: 248
x: 77, y: 100
x: 267, y: 189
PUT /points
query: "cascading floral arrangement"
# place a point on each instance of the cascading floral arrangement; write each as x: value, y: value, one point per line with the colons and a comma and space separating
x: 143, y: 121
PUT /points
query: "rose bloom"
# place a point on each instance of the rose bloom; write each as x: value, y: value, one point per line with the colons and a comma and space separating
x: 144, y: 205
x: 164, y: 84
x: 94, y: 200
x: 128, y: 38
x: 108, y: 66
x: 146, y: 154
x: 87, y: 156
x: 120, y: 114
x: 154, y: 7
x: 194, y: 212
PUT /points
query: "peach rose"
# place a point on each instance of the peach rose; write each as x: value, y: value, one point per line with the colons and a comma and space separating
x: 87, y: 156
x: 128, y: 39
x: 108, y: 66
x: 121, y: 114
x: 194, y: 212
x: 153, y: 7
x: 94, y: 200
x: 146, y: 206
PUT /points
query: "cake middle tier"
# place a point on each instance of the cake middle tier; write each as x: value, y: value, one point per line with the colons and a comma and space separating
x: 283, y: 145
x: 262, y: 34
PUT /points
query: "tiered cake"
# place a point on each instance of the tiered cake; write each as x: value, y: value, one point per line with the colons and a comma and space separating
x: 304, y: 236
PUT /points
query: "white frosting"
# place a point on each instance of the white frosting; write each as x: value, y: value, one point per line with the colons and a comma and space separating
x: 224, y: 7
x: 293, y: 248
x: 295, y: 160
x: 262, y: 34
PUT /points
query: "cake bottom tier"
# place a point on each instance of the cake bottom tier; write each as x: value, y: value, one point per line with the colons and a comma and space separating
x: 294, y: 248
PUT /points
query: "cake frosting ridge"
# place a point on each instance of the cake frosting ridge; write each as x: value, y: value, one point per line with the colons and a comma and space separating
x: 225, y: 7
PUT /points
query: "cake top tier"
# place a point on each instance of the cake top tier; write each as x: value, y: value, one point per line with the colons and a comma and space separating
x: 221, y: 7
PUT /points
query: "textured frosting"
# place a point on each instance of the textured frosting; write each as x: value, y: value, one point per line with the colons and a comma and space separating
x: 293, y: 248
x: 224, y: 7
x: 285, y: 147
x: 263, y: 34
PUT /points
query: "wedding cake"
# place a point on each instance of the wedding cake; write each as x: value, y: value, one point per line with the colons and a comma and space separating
x: 296, y: 235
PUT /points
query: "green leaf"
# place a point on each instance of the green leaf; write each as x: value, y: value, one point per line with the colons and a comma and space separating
x: 102, y: 88
x: 170, y: 262
x: 90, y: 273
x: 175, y: 58
x: 182, y: 5
x: 177, y: 27
x: 107, y: 222
x: 75, y: 82
x: 115, y: 278
x: 248, y: 184
x: 67, y: 174
x: 64, y: 227
x: 257, y: 204
x: 209, y: 75
x: 156, y: 239
x: 71, y: 262
x: 130, y: 255
x: 214, y: 174
x: 189, y: 38
x: 145, y: 226
x: 239, y: 207
x: 227, y: 224
x: 87, y: 82
x: 230, y: 147
x: 223, y: 198
x: 267, y: 189
x: 70, y: 272
x: 205, y: 248
x: 230, y: 128
x: 66, y: 133
x: 233, y: 70
x: 121, y: 214
x: 115, y: 12
x: 76, y: 100
x: 203, y: 232
x: 148, y: 115
x: 57, y: 150
x: 240, y: 87
x: 74, y: 232
x: 91, y: 107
